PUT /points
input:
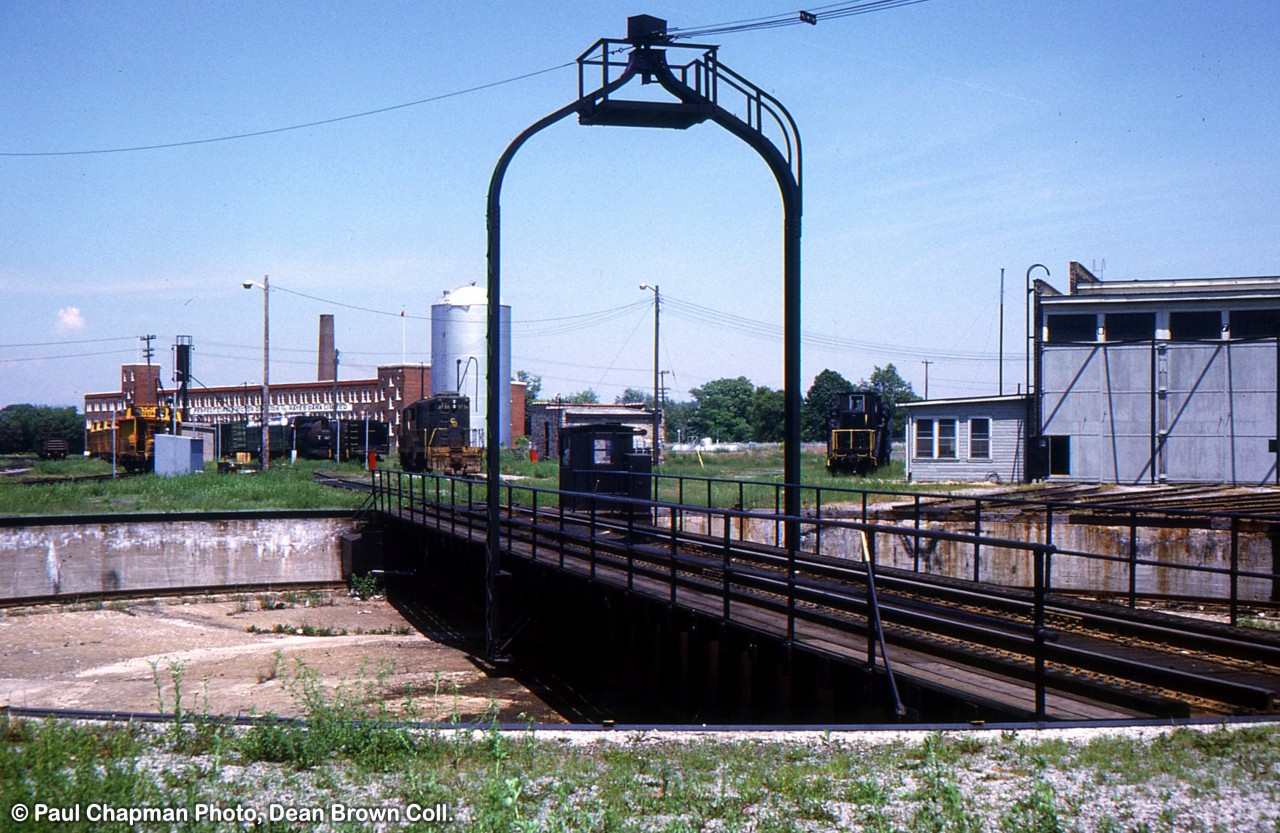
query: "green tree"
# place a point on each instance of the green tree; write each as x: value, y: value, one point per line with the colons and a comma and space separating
x: 587, y: 396
x: 817, y: 404
x: 634, y: 396
x: 533, y: 384
x: 675, y: 421
x: 723, y: 406
x: 22, y: 425
x: 892, y: 389
x: 767, y: 414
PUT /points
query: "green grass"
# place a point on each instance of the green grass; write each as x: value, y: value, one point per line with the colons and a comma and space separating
x: 284, y: 486
x: 45, y: 469
x: 514, y: 781
x: 747, y: 479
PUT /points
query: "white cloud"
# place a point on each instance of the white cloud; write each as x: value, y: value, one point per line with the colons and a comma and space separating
x: 69, y: 320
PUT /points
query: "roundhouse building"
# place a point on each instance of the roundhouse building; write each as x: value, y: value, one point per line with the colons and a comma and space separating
x: 1158, y: 380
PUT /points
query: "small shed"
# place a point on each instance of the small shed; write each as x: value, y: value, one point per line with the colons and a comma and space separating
x: 600, y: 459
x: 547, y: 418
x: 967, y: 439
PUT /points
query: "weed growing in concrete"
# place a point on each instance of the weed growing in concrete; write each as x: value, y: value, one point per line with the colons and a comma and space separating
x: 942, y: 806
x: 1034, y: 812
x: 305, y: 629
x: 366, y: 586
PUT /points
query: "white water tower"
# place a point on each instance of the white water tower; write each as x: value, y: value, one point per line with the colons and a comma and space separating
x: 459, y: 322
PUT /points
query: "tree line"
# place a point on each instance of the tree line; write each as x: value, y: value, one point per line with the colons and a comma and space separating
x: 735, y: 410
x: 22, y: 426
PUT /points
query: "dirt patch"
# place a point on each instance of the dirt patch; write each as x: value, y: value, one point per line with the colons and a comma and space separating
x: 247, y: 655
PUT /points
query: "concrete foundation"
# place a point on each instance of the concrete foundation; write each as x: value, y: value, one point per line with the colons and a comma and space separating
x: 68, y: 557
x: 1192, y: 562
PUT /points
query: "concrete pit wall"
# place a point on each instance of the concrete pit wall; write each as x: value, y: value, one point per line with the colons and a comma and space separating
x: 126, y: 555
x: 1178, y: 548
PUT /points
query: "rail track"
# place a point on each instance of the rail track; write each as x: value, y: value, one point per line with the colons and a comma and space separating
x: 1145, y: 661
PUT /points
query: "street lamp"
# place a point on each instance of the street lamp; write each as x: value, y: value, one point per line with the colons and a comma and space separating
x: 1026, y: 317
x: 657, y: 390
x: 265, y: 286
x: 1031, y: 423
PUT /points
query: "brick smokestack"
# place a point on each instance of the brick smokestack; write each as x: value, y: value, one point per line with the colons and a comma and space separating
x: 327, y: 367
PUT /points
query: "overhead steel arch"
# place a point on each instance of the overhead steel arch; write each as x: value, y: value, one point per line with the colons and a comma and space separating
x: 698, y: 88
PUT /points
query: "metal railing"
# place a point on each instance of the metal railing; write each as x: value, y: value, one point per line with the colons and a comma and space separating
x: 1223, y: 535
x: 690, y: 553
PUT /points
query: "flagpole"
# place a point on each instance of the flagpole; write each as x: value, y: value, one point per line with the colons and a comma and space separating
x: 402, y: 339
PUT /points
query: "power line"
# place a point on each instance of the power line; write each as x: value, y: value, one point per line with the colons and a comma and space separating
x: 400, y: 314
x: 305, y: 125
x: 60, y: 343
x: 705, y: 315
x: 554, y: 326
x: 63, y: 356
x: 810, y: 17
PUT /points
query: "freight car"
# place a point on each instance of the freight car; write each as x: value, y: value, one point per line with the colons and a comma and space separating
x: 858, y: 432
x: 434, y: 436
x: 311, y: 437
x: 52, y: 447
x: 129, y: 440
x: 243, y: 441
x: 358, y: 437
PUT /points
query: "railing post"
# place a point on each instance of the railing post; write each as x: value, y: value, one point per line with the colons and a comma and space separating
x: 817, y: 514
x: 792, y: 546
x: 742, y: 504
x: 591, y: 536
x: 709, y: 514
x: 1041, y: 556
x: 1235, y: 570
x: 873, y: 603
x: 777, y: 510
x: 411, y: 497
x: 1048, y: 540
x: 977, y: 546
x: 631, y: 553
x: 560, y: 546
x: 726, y: 569
x: 916, y: 547
x: 671, y: 552
x: 533, y: 526
x: 1133, y: 559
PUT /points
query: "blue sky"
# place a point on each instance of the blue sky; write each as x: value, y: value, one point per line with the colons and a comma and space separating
x: 943, y: 141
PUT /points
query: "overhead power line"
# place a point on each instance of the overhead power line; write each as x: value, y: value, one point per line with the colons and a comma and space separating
x: 686, y: 310
x: 63, y: 356
x: 60, y: 343
x: 270, y: 131
x: 810, y: 16
x: 400, y: 314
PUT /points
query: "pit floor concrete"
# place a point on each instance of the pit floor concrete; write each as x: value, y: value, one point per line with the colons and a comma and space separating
x: 248, y: 654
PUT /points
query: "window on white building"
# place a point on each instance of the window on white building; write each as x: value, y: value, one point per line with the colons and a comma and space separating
x: 947, y: 438
x: 924, y: 438
x: 980, y: 438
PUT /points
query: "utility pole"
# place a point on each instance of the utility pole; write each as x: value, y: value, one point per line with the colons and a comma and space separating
x: 657, y: 387
x: 265, y: 286
x: 1000, y: 371
x: 337, y: 432
x: 926, y: 364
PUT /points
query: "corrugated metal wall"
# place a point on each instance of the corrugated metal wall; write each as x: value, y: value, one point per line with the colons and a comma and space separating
x: 1212, y: 423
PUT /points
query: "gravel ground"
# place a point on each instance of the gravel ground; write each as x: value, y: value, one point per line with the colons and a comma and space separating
x: 1116, y: 779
